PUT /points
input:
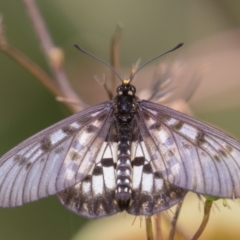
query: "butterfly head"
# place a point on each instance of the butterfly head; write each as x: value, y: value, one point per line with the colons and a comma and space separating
x: 126, y: 89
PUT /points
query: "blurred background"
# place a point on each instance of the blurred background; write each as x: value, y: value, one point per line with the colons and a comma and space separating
x: 211, y: 52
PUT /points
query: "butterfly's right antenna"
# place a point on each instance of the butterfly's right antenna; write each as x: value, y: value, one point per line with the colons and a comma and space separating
x: 173, y: 49
x: 97, y: 58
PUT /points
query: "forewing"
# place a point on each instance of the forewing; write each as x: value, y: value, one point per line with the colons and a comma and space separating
x: 94, y: 197
x: 150, y: 193
x: 54, y: 159
x: 188, y: 153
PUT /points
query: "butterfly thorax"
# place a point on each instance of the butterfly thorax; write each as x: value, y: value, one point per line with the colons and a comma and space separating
x: 125, y: 110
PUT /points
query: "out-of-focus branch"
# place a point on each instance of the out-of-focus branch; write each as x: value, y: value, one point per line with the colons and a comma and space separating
x: 158, y: 226
x: 207, y: 210
x: 114, y: 54
x: 52, y: 54
x: 149, y: 230
x: 29, y: 65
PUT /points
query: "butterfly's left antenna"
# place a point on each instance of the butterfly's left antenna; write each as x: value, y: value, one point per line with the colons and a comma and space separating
x: 97, y: 58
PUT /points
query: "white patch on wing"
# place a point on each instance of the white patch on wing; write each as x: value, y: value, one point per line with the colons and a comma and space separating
x: 189, y: 131
x: 171, y: 122
x: 147, y: 183
x: 109, y: 177
x: 86, y: 187
x: 158, y: 183
x: 97, y: 185
x: 57, y: 136
x: 74, y: 125
x: 162, y: 135
x: 137, y: 176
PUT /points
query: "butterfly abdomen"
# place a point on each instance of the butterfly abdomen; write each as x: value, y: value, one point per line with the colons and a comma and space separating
x: 125, y: 111
x: 124, y: 168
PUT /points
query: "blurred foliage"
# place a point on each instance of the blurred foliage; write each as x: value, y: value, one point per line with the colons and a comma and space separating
x: 149, y: 28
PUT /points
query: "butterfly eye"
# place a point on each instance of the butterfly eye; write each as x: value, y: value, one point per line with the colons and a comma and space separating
x: 132, y: 90
x: 120, y: 90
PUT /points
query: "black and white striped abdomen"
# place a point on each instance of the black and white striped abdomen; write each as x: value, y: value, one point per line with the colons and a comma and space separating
x: 123, y: 165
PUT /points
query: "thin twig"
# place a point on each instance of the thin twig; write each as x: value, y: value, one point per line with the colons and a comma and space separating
x: 31, y: 67
x: 207, y: 211
x: 48, y: 49
x: 149, y: 231
x: 159, y: 235
x: 114, y: 54
x: 174, y: 221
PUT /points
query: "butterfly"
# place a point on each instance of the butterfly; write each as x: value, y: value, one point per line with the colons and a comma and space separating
x: 125, y: 154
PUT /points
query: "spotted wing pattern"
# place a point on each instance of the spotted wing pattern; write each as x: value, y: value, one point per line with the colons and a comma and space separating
x: 95, y: 196
x: 188, y: 153
x: 76, y: 158
x: 54, y: 159
x: 150, y: 193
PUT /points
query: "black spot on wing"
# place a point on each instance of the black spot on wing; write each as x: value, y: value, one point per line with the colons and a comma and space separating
x: 88, y: 178
x: 170, y: 153
x: 138, y: 161
x: 223, y: 153
x: 179, y: 125
x: 69, y: 130
x: 91, y: 129
x: 200, y: 138
x: 97, y: 171
x: 147, y: 168
x: 163, y: 117
x: 46, y: 144
x: 155, y: 126
x: 146, y: 115
x: 59, y: 150
x: 20, y: 159
x: 157, y: 175
x: 107, y: 162
x: 229, y: 148
x: 74, y: 155
x: 216, y: 157
x: 28, y: 165
x: 17, y: 157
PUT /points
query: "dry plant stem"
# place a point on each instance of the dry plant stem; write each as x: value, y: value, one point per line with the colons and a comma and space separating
x: 114, y: 55
x: 31, y: 67
x: 149, y: 231
x: 158, y: 226
x: 47, y: 46
x: 174, y: 221
x: 207, y: 210
x: 34, y: 69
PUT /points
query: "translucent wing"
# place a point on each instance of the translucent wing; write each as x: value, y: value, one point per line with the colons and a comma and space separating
x: 150, y: 193
x: 94, y: 197
x: 188, y: 153
x: 54, y: 159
